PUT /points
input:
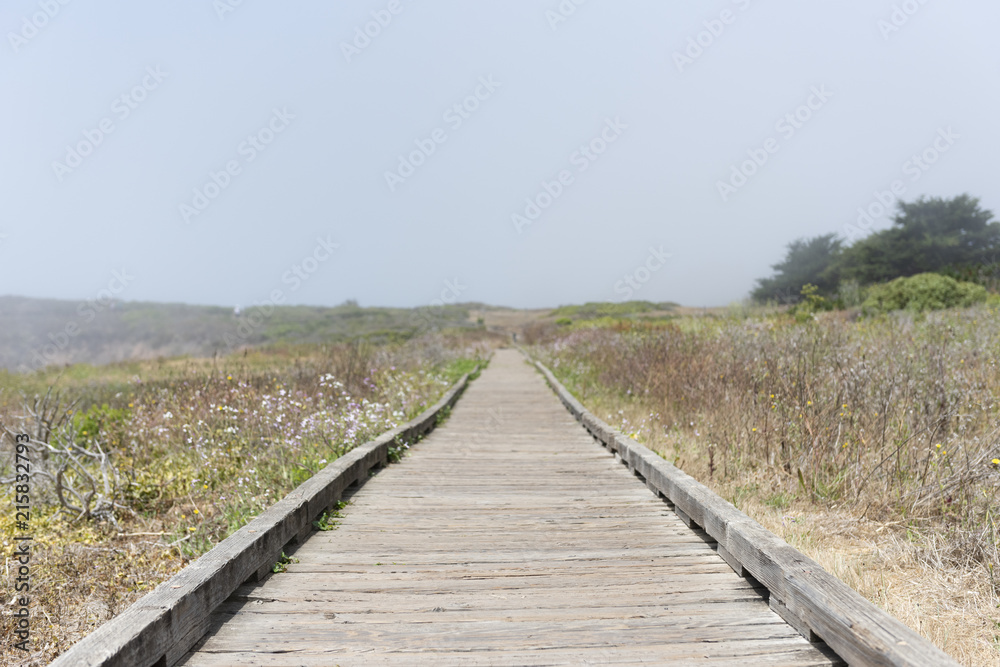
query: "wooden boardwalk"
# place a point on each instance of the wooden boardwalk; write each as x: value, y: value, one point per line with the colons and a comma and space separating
x: 507, y: 537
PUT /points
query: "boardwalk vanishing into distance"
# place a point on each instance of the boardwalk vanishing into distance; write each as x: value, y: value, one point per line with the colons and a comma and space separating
x: 506, y: 537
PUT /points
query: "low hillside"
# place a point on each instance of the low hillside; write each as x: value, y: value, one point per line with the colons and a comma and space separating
x: 42, y: 332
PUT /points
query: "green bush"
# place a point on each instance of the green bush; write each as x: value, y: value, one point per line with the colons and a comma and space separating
x: 924, y: 291
x: 810, y: 304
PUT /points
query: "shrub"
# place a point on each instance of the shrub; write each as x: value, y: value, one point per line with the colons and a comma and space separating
x: 924, y: 291
x: 810, y: 304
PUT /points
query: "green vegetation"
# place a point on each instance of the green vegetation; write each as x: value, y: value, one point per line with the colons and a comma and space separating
x: 894, y: 418
x: 868, y: 443
x: 328, y: 520
x: 597, y: 310
x: 456, y: 368
x: 924, y: 291
x: 52, y: 332
x: 810, y: 304
x: 283, y: 562
x: 808, y: 262
x: 951, y: 237
x: 142, y: 466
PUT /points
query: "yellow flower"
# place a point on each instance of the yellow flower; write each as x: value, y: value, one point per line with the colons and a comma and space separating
x: 996, y: 462
x: 191, y: 529
x: 204, y: 486
x: 196, y: 511
x: 809, y: 402
x: 229, y: 377
x: 754, y: 430
x: 938, y: 446
x: 184, y: 516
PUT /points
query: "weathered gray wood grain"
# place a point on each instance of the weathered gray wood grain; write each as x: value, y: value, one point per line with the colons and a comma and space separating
x: 510, y: 540
x: 162, y: 626
x: 811, y: 599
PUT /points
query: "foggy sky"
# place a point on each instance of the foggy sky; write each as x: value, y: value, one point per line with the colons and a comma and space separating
x: 224, y: 152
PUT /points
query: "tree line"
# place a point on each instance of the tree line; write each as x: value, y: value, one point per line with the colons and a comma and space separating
x: 953, y: 237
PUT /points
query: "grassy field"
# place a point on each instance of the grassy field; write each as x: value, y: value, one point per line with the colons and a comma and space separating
x: 50, y: 332
x: 160, y: 460
x: 871, y: 444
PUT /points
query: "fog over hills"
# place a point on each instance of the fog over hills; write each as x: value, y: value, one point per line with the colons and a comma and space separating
x: 41, y: 332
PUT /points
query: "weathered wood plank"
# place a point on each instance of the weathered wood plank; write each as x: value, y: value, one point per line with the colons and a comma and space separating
x: 515, y: 543
x: 809, y: 597
x: 730, y: 654
x: 161, y: 627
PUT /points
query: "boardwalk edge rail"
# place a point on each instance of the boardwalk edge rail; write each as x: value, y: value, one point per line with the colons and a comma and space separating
x: 817, y: 604
x: 160, y: 628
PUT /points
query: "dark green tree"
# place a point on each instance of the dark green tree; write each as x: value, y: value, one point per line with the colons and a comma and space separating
x: 928, y: 235
x: 807, y: 261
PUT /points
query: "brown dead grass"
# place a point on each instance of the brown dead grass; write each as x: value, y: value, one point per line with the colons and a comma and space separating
x: 76, y: 587
x: 905, y: 574
x: 954, y: 608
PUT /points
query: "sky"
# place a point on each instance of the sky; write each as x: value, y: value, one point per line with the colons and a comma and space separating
x: 518, y: 153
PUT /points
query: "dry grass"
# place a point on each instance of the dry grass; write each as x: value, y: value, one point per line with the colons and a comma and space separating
x: 827, y: 433
x: 953, y: 607
x: 80, y: 585
x: 196, y: 450
x: 911, y: 576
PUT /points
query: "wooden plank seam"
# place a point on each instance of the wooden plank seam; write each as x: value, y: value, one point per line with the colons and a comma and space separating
x: 160, y: 628
x: 807, y: 597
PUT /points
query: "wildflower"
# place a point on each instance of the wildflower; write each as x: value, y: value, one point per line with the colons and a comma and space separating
x: 996, y: 462
x: 196, y: 512
x: 809, y: 402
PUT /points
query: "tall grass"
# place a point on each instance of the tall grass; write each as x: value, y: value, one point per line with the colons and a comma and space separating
x: 191, y: 451
x: 896, y: 418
